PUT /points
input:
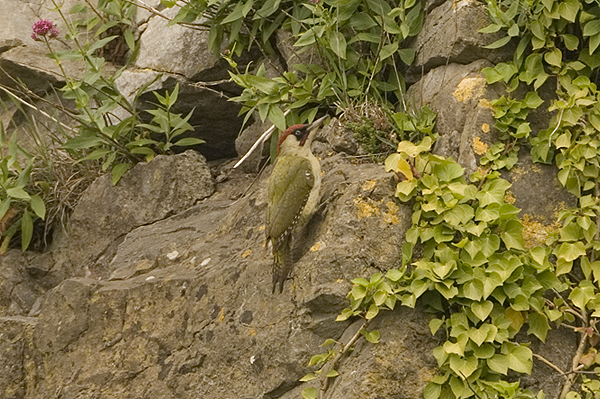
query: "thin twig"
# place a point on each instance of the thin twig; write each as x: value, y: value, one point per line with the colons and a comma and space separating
x: 341, y: 354
x: 37, y: 109
x: 265, y: 136
x: 549, y: 363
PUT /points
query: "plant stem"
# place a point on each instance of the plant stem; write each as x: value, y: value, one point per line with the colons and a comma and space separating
x: 340, y: 355
x: 570, y: 378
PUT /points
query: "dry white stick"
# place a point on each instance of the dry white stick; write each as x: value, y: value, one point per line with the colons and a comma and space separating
x: 265, y: 136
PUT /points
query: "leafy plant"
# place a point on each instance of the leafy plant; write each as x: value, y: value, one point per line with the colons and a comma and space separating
x: 20, y: 203
x: 357, y: 51
x: 119, y: 142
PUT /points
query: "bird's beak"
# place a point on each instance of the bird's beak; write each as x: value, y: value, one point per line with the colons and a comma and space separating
x: 313, y: 128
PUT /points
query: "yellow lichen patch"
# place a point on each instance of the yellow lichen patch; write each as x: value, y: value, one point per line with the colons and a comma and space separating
x: 222, y: 315
x: 261, y: 228
x: 469, y: 88
x: 485, y: 128
x: 484, y: 103
x: 516, y: 172
x: 479, y: 147
x: 369, y: 185
x: 316, y: 247
x: 391, y: 216
x: 509, y: 198
x: 246, y: 254
x: 366, y: 209
x: 536, y: 233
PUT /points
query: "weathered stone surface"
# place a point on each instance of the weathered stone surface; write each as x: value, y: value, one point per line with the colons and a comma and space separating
x: 16, y: 24
x: 197, y: 318
x: 174, y: 49
x: 30, y: 65
x: 15, y: 362
x: 18, y: 290
x: 149, y: 192
x: 451, y: 34
x: 399, y: 366
x: 460, y: 96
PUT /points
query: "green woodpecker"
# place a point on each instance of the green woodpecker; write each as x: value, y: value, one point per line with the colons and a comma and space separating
x: 294, y: 188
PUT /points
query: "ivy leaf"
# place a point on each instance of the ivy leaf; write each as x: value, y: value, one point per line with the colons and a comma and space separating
x: 463, y: 367
x: 432, y: 391
x: 396, y: 163
x: 538, y: 325
x: 520, y: 359
x: 372, y: 312
x: 570, y: 251
x: 493, y: 192
x: 498, y: 363
x: 582, y: 294
x: 434, y: 325
x: 371, y: 336
x: 554, y: 57
x: 482, y: 309
x: 513, y: 235
x: 309, y: 393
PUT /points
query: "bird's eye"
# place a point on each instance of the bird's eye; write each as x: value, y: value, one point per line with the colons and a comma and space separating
x: 298, y: 133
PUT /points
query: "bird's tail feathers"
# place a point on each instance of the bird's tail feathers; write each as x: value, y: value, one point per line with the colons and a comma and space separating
x: 282, y: 263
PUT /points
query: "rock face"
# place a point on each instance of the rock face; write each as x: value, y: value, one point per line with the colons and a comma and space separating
x: 106, y: 213
x: 160, y: 287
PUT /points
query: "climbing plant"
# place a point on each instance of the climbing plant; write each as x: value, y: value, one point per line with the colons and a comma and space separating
x: 474, y: 271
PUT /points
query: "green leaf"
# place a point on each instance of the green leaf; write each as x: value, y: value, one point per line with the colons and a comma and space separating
x: 26, y: 230
x: 434, y: 325
x: 38, y: 206
x: 432, y: 391
x: 538, y: 325
x: 371, y: 336
x: 331, y: 374
x: 520, y: 359
x: 463, y: 367
x: 277, y: 116
x: 81, y: 142
x: 388, y: 50
x: 570, y: 251
x: 498, y: 363
x: 554, y: 57
x: 591, y: 28
x: 308, y: 377
x: 310, y: 393
x: 493, y: 192
x: 482, y: 309
x: 118, y: 171
x: 498, y: 43
x: 513, y: 235
x: 372, y: 312
x: 582, y: 294
x: 337, y: 42
x: 17, y: 192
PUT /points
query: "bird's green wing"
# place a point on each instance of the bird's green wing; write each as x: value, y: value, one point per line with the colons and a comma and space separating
x: 289, y: 187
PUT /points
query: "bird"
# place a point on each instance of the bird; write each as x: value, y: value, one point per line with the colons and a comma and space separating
x: 293, y: 195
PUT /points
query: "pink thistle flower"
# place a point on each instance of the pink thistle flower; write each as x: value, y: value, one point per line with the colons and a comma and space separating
x: 44, y: 27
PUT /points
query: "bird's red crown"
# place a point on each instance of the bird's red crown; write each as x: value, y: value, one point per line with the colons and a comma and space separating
x: 289, y: 131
